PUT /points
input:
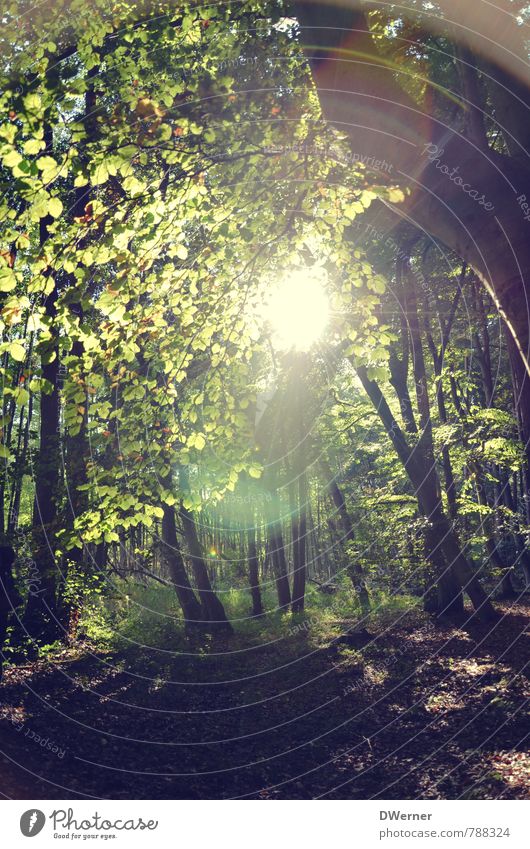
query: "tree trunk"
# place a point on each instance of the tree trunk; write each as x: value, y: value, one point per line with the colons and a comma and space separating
x: 279, y: 561
x: 191, y: 609
x: 427, y: 491
x: 467, y: 198
x: 449, y: 595
x: 40, y: 619
x: 21, y: 459
x: 275, y: 541
x: 355, y: 570
x: 252, y: 551
x: 299, y: 546
x: 253, y: 570
x: 77, y: 449
x: 212, y: 608
x: 492, y: 549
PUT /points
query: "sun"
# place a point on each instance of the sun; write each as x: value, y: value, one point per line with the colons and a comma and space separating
x: 297, y: 309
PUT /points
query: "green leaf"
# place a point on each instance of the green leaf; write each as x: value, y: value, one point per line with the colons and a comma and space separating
x: 33, y: 146
x: 12, y: 159
x: 17, y: 351
x: 32, y: 102
x: 21, y: 396
x: 100, y: 174
x: 55, y: 207
x: 46, y: 163
x: 133, y: 186
x: 8, y: 280
x: 395, y: 195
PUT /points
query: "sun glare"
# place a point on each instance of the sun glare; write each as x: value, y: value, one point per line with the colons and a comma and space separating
x: 297, y: 309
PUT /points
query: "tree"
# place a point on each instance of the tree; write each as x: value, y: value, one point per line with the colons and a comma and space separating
x: 460, y: 190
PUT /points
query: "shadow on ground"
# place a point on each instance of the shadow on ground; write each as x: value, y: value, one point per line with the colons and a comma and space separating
x: 425, y: 710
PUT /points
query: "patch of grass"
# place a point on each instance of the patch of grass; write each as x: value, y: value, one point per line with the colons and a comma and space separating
x: 133, y: 614
x: 149, y: 615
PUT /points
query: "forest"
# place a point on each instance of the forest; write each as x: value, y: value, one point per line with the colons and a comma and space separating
x: 265, y: 426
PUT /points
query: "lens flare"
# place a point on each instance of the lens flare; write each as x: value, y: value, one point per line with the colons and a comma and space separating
x: 297, y: 309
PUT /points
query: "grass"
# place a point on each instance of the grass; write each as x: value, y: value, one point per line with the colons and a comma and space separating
x: 149, y: 616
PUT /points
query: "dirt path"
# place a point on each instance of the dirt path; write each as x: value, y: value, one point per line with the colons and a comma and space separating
x: 423, y: 711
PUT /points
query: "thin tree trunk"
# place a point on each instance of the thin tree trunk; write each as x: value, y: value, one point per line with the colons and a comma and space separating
x: 300, y: 546
x: 253, y: 569
x: 355, y: 570
x: 40, y: 620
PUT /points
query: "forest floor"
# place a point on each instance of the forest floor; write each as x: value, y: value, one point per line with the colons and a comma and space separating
x: 425, y: 710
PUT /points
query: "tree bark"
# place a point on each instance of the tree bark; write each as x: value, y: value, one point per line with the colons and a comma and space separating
x: 40, y: 616
x: 211, y: 606
x: 355, y: 570
x: 191, y: 609
x: 427, y: 492
x: 466, y: 197
x: 299, y: 546
x: 253, y: 571
x: 279, y: 561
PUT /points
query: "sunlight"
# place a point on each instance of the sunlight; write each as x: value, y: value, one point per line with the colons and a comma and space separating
x: 297, y: 309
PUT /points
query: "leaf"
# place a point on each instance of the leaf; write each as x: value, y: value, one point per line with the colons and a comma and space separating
x: 5, y: 453
x: 17, y: 351
x: 8, y: 281
x: 32, y: 102
x: 21, y: 396
x: 46, y: 163
x: 377, y: 373
x: 378, y: 285
x: 12, y: 159
x: 133, y: 186
x: 100, y: 174
x: 55, y: 207
x: 33, y: 146
x: 395, y: 195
